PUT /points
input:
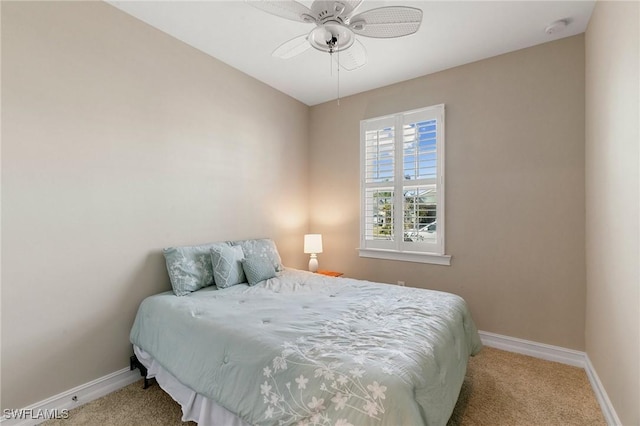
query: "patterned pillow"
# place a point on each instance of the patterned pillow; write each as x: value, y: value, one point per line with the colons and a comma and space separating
x: 227, y: 266
x: 264, y: 248
x: 190, y: 267
x: 258, y: 269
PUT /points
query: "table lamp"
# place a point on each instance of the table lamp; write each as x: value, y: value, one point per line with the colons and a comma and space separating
x: 313, y: 246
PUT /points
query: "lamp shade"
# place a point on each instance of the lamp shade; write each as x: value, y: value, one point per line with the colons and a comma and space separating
x: 313, y: 243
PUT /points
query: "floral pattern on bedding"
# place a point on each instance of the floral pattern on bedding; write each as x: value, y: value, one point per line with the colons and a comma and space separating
x: 333, y: 385
x: 337, y: 389
x: 190, y: 267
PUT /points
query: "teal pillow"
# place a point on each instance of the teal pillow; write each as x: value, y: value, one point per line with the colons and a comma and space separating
x: 190, y: 267
x: 264, y: 248
x: 258, y: 269
x: 227, y: 266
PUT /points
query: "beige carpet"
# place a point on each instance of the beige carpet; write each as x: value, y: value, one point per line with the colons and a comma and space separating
x: 501, y: 388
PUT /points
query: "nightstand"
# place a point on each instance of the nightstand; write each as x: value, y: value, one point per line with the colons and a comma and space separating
x: 329, y: 273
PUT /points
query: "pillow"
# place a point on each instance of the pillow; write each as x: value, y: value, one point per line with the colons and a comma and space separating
x: 190, y: 267
x: 263, y: 248
x: 227, y: 266
x: 258, y: 269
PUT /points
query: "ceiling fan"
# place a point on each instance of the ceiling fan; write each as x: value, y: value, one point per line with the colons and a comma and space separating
x: 336, y: 27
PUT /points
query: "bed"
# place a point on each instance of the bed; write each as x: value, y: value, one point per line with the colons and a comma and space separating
x: 303, y: 348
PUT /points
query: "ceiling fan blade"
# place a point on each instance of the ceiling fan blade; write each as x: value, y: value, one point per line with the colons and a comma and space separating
x: 288, y: 9
x: 387, y: 22
x: 291, y: 48
x: 352, y: 58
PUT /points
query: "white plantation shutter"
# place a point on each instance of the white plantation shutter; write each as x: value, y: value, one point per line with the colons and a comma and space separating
x: 379, y: 220
x: 379, y: 151
x: 402, y: 169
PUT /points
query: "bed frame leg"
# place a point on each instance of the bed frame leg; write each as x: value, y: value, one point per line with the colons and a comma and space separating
x: 133, y: 364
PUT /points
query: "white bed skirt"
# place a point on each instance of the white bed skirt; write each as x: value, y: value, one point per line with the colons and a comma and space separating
x: 195, y: 407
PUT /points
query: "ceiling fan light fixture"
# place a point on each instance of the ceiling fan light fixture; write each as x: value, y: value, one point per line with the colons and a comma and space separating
x: 331, y: 37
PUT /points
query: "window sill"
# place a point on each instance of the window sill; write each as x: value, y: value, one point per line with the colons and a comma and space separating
x: 407, y: 256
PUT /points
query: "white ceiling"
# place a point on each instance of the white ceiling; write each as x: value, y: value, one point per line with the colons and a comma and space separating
x: 452, y: 33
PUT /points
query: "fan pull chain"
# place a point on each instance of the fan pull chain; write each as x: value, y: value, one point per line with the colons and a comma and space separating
x: 338, y: 71
x: 331, y: 63
x: 331, y: 44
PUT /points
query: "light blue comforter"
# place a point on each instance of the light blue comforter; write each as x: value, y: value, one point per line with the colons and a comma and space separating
x: 306, y: 349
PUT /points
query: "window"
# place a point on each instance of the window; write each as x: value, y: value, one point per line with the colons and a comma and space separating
x: 402, y: 185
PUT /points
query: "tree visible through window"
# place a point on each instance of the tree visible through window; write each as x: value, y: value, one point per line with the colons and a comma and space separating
x: 402, y: 162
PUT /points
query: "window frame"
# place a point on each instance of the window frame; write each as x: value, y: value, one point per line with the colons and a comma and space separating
x: 398, y: 248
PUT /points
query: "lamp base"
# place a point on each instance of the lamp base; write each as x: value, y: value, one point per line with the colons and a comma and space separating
x: 313, y: 263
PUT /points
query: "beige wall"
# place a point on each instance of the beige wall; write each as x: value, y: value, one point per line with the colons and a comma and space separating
x: 612, y: 219
x: 118, y: 140
x: 515, y: 188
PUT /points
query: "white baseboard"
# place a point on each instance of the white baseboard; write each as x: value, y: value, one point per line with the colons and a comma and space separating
x: 609, y: 412
x: 534, y: 349
x: 41, y: 411
x: 557, y: 354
